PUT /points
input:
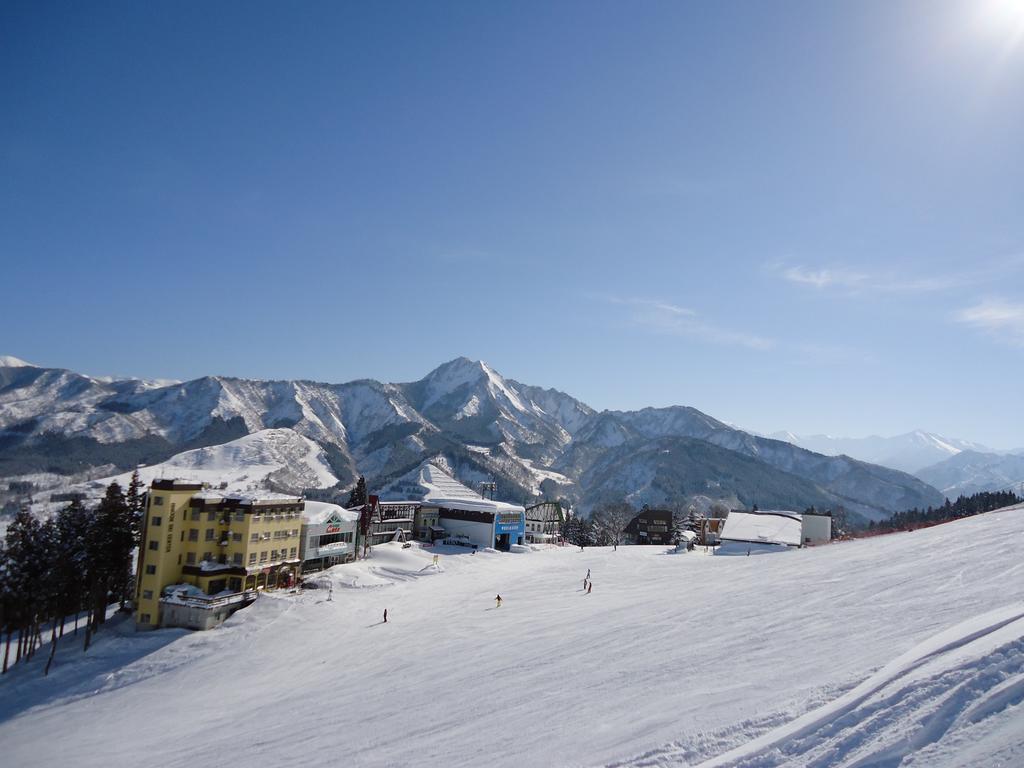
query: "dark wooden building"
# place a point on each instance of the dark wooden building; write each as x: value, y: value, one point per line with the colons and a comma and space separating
x: 650, y: 526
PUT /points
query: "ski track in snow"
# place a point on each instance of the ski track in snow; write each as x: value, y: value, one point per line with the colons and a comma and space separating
x: 895, y: 716
x: 854, y: 655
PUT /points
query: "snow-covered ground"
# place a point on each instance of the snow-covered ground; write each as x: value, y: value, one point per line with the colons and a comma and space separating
x: 907, y: 647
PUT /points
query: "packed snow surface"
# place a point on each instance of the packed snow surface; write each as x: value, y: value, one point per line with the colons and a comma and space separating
x: 905, y: 649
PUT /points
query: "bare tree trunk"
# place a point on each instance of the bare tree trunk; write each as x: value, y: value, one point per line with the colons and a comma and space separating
x: 7, y: 649
x: 53, y: 648
x: 62, y: 617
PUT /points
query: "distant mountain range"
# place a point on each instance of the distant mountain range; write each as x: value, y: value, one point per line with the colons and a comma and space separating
x: 908, y: 453
x: 533, y: 442
x: 971, y: 471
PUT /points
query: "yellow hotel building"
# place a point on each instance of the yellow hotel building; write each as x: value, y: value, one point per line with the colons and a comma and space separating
x: 206, y: 553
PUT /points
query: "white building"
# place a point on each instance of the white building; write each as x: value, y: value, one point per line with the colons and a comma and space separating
x: 463, y: 513
x: 817, y: 529
x: 779, y: 527
x: 328, y: 535
x: 768, y: 527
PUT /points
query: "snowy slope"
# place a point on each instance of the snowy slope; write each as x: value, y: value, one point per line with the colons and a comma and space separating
x: 853, y: 654
x: 285, y: 459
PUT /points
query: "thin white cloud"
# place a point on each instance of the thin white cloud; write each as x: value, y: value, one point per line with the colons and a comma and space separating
x: 999, y: 318
x: 665, y: 317
x: 823, y: 278
x: 856, y: 282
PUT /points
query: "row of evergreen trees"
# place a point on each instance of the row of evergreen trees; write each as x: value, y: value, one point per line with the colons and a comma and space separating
x: 964, y: 506
x: 606, y: 525
x: 77, y: 561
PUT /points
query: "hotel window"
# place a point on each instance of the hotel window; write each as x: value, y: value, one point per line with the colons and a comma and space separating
x: 193, y: 534
x: 291, y: 552
x: 195, y: 514
x: 155, y: 520
x: 263, y: 556
x: 208, y: 556
x: 147, y: 594
x: 209, y: 534
x: 144, y: 618
x: 252, y: 558
x: 239, y: 517
x: 236, y: 536
x: 211, y: 516
x: 274, y: 554
x: 254, y: 537
x: 151, y: 570
x: 154, y: 545
x: 237, y: 559
x: 190, y: 558
x: 158, y: 501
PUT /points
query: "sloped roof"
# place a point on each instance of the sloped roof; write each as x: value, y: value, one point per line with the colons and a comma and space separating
x: 438, y: 488
x: 768, y: 527
x: 319, y: 512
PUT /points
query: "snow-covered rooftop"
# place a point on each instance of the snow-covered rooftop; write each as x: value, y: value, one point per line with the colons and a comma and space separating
x: 319, y: 512
x: 246, y: 497
x: 768, y: 527
x: 443, y: 490
x: 435, y: 486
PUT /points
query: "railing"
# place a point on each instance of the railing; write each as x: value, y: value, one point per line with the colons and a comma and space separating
x: 196, y: 601
x: 335, y: 546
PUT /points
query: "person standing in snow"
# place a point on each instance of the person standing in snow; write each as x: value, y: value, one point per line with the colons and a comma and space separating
x: 588, y: 574
x: 497, y: 601
x: 584, y: 583
x: 385, y: 615
x: 590, y: 586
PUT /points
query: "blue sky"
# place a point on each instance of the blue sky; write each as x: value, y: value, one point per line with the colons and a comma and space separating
x: 791, y: 215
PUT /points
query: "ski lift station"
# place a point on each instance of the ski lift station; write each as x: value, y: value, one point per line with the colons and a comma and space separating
x: 465, y: 514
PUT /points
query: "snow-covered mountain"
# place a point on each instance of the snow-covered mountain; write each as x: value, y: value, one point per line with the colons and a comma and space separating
x: 533, y: 441
x: 972, y: 471
x: 907, y: 453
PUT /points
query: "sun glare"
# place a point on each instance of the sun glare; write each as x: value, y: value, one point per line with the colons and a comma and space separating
x: 1001, y: 19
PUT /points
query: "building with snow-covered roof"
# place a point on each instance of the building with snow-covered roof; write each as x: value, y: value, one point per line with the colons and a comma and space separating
x: 329, y: 535
x: 221, y: 543
x: 784, y: 529
x: 464, y: 513
x: 544, y: 523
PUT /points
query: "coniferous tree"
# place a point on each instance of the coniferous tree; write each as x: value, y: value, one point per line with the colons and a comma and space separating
x: 109, y: 546
x: 25, y: 570
x: 358, y: 496
x: 6, y: 623
x: 678, y: 526
x: 73, y: 523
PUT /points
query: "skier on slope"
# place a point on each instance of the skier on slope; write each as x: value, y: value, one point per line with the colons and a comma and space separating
x: 590, y: 586
x: 497, y: 601
x: 385, y: 615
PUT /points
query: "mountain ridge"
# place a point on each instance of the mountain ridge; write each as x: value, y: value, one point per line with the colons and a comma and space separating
x: 535, y: 441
